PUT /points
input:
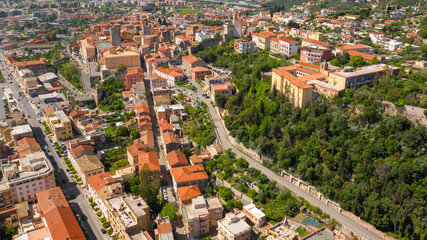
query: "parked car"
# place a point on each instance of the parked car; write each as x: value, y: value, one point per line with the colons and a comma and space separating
x: 103, y: 231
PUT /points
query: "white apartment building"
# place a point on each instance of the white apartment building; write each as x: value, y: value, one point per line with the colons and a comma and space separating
x: 288, y: 47
x: 27, y: 176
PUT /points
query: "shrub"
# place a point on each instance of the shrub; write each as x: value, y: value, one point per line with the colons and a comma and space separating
x: 73, y: 171
x: 93, y: 204
x: 99, y: 213
x: 105, y: 225
x: 110, y: 231
x: 96, y: 209
x: 90, y: 199
x: 103, y: 220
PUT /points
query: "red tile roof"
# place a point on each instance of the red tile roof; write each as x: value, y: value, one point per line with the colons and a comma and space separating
x: 176, y: 159
x: 189, y: 173
x: 188, y: 192
x: 58, y: 216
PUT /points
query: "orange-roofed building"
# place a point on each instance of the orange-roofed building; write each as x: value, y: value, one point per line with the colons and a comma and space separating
x: 26, y: 146
x: 223, y: 89
x: 186, y: 193
x: 308, y: 42
x: 37, y: 67
x: 150, y: 161
x: 172, y: 74
x: 57, y: 215
x: 133, y: 76
x: 103, y: 186
x: 358, y: 48
x: 299, y: 81
x: 367, y: 57
x: 195, y: 159
x: 198, y: 73
x: 164, y: 230
x: 176, y: 159
x: 190, y: 61
x: 189, y: 175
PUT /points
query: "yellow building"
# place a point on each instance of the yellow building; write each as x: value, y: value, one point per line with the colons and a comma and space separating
x: 118, y: 56
x: 317, y: 36
x: 60, y: 125
x: 87, y: 50
x: 292, y: 80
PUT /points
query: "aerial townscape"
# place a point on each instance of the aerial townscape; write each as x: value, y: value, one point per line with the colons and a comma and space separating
x: 213, y: 119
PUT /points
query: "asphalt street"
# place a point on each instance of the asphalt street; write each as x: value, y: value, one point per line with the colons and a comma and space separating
x: 225, y: 141
x: 77, y: 197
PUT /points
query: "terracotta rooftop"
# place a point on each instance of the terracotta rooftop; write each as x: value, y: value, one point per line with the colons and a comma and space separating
x: 189, y: 173
x: 188, y: 192
x: 176, y: 159
x: 59, y: 218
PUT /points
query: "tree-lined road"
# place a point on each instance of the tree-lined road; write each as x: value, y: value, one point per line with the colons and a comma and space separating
x: 78, y: 199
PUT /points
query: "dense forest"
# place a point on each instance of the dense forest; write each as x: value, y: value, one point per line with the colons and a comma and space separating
x: 373, y: 164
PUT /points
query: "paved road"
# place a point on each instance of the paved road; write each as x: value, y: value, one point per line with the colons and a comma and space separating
x: 225, y: 141
x: 78, y: 200
x: 84, y: 77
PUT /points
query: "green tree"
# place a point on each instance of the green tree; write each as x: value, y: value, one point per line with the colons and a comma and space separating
x: 148, y: 189
x: 8, y: 233
x: 171, y: 211
x: 122, y: 68
x: 423, y: 50
x: 357, y: 61
x: 220, y: 100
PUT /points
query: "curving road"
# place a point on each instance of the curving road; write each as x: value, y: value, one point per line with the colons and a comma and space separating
x: 225, y: 142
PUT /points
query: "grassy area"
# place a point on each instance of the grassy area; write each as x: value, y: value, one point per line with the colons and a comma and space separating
x: 186, y: 11
x: 302, y: 232
x: 2, y: 80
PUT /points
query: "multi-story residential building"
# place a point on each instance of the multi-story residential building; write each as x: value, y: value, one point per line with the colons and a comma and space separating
x: 87, y: 50
x: 165, y: 111
x: 262, y: 40
x: 233, y: 228
x: 315, y: 54
x: 172, y: 74
x: 164, y: 230
x: 190, y: 61
x: 255, y: 215
x: 189, y: 175
x: 57, y: 215
x: 358, y: 48
x: 6, y: 198
x: 157, y: 82
x: 176, y: 159
x: 348, y: 77
x: 198, y: 73
x: 149, y: 161
x: 243, y: 46
x: 288, y: 47
x: 223, y: 89
x: 187, y: 193
x: 317, y: 36
x: 60, y: 125
x: 115, y: 57
x: 82, y: 157
x: 308, y: 42
x: 133, y: 76
x: 127, y: 215
x: 26, y: 176
x: 190, y: 30
x: 201, y: 216
x: 103, y: 186
x: 274, y: 45
x: 21, y: 131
